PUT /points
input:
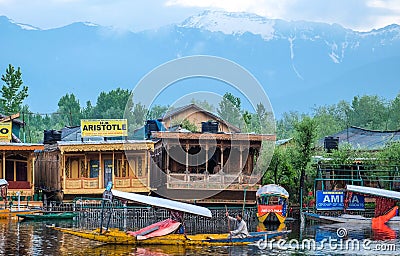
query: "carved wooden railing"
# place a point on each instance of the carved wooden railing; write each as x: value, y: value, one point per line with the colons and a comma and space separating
x: 128, y: 182
x: 212, y: 182
x: 73, y: 183
x: 90, y: 183
x: 122, y: 182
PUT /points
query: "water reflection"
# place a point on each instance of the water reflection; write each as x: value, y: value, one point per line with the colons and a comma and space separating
x: 34, y: 238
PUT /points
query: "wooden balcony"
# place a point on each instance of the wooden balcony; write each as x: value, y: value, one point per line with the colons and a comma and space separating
x: 73, y: 183
x: 122, y: 182
x: 129, y: 182
x: 82, y: 183
x: 211, y: 182
x: 91, y: 183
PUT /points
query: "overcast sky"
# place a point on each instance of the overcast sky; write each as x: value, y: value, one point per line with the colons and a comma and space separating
x: 139, y: 15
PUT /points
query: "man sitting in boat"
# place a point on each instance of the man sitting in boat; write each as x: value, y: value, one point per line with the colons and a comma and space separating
x: 241, y: 226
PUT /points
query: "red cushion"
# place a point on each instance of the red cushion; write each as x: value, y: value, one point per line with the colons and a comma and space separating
x: 19, y: 185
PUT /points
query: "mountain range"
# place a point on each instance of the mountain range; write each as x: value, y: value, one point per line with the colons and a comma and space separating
x: 300, y: 64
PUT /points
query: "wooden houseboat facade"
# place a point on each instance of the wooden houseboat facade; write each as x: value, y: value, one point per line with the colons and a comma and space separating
x: 84, y: 168
x: 17, y: 166
x: 205, y: 162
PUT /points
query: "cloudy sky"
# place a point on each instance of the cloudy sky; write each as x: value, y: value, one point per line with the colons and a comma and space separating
x: 138, y: 15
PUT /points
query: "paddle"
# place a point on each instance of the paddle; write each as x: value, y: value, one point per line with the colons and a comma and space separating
x: 229, y: 221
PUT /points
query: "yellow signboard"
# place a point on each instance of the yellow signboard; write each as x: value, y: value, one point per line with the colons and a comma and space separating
x: 104, y: 127
x: 5, y: 131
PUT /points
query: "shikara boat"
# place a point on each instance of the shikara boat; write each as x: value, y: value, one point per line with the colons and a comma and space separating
x: 50, y: 216
x: 272, y: 204
x: 114, y: 236
x: 391, y: 216
x: 162, y: 233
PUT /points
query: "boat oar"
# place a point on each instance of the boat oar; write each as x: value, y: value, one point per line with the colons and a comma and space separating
x: 244, y: 201
x: 229, y: 221
x: 102, y: 213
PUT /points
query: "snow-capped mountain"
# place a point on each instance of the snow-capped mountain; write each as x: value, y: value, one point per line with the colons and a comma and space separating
x: 23, y: 26
x: 299, y: 63
x: 231, y: 23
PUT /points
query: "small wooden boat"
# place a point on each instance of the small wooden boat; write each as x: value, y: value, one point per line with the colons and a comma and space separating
x: 349, y: 218
x: 50, y: 216
x: 161, y: 228
x: 272, y: 204
x: 7, y: 213
x: 161, y: 233
x: 114, y: 236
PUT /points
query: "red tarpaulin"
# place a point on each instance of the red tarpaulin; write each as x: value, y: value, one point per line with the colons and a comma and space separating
x: 383, y: 205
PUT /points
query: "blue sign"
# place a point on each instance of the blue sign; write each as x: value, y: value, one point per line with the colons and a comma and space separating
x: 334, y: 200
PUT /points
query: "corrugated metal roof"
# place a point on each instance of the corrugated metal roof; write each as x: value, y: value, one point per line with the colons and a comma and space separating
x: 178, y: 110
x: 360, y: 138
x: 282, y: 142
x: 16, y: 120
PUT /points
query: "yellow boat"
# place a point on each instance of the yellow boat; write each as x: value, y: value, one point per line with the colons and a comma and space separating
x: 7, y: 213
x: 162, y: 233
x: 114, y: 236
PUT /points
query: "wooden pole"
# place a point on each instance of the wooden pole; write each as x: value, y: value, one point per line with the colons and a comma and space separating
x: 244, y: 201
x: 229, y: 221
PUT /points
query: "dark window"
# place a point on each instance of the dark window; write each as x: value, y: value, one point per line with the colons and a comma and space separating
x: 21, y: 171
x: 10, y: 170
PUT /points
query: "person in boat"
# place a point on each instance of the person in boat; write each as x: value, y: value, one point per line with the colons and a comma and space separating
x: 241, y: 226
x: 178, y: 216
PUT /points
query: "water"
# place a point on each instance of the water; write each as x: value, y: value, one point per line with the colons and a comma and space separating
x: 34, y: 238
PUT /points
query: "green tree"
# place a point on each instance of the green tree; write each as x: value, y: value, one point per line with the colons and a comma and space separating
x: 369, y: 112
x: 230, y: 109
x: 286, y: 125
x: 111, y: 104
x: 157, y: 111
x: 247, y: 120
x: 304, y: 137
x: 69, y: 110
x: 394, y: 116
x: 332, y: 118
x: 390, y: 155
x: 12, y: 92
x: 263, y: 120
x: 139, y: 114
x: 281, y: 171
x: 186, y: 124
x: 87, y: 111
x: 203, y: 104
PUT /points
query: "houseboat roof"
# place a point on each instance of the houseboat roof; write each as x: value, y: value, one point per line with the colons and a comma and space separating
x: 176, y: 111
x: 20, y: 146
x: 213, y: 136
x: 360, y: 138
x: 272, y: 189
x: 14, y: 120
x: 109, y: 145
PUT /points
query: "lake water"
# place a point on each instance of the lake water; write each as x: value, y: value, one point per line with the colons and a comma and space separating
x: 34, y: 238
